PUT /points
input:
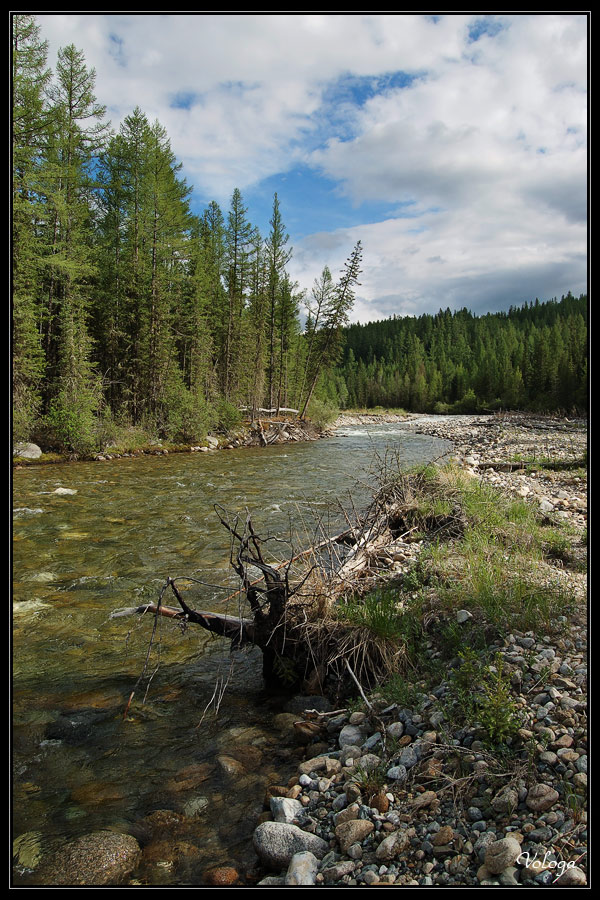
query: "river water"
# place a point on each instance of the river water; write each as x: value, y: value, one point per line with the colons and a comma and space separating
x: 89, y: 538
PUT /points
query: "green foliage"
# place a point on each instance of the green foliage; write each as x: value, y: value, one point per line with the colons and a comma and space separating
x: 379, y: 611
x: 285, y: 669
x: 25, y: 413
x: 496, y: 707
x: 226, y: 415
x: 370, y: 781
x: 72, y: 422
x: 399, y: 690
x: 112, y: 274
x: 483, y: 696
x: 322, y: 413
x: 534, y: 357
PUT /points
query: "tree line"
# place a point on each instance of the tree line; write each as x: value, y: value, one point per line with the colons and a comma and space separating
x: 531, y: 357
x: 128, y: 309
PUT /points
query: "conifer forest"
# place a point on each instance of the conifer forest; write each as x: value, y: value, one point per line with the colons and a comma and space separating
x: 130, y: 311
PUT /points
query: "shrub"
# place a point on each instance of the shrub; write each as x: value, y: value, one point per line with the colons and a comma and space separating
x: 72, y: 422
x: 482, y: 695
x: 322, y: 413
x: 226, y: 415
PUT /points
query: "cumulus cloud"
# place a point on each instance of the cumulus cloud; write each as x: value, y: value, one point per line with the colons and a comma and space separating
x: 473, y: 129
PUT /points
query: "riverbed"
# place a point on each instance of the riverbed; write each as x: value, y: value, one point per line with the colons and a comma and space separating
x: 89, y: 538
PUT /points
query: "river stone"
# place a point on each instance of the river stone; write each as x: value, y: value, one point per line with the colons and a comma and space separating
x: 334, y: 873
x: 397, y: 773
x: 349, y: 752
x: 571, y: 877
x: 320, y: 764
x: 277, y: 842
x: 79, y: 727
x: 302, y: 702
x: 368, y: 762
x: 348, y: 814
x: 422, y: 801
x: 408, y: 758
x: 302, y: 869
x: 190, y: 777
x: 353, y: 832
x: 98, y: 858
x: 27, y: 849
x: 541, y: 797
x: 285, y: 722
x: 392, y: 845
x: 221, y: 876
x: 231, y: 766
x: 284, y: 809
x: 505, y: 801
x: 444, y: 836
x: 27, y: 451
x: 196, y: 806
x: 501, y: 854
x: 351, y: 734
x: 396, y: 729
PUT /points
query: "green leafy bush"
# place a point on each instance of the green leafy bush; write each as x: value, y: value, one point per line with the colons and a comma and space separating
x: 322, y: 413
x: 72, y: 423
x: 226, y: 415
x: 483, y: 696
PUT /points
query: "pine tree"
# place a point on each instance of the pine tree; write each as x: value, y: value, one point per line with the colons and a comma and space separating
x: 278, y: 257
x: 238, y: 238
x: 70, y: 263
x: 335, y: 315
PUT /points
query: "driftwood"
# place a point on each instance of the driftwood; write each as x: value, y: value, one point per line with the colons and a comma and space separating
x: 294, y: 605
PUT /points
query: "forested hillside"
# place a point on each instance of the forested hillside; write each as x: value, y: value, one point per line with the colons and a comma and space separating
x: 131, y: 312
x: 533, y: 357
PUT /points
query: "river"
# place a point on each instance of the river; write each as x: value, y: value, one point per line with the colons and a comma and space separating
x: 89, y: 538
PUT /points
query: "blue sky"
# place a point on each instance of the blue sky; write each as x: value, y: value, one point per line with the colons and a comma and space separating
x: 453, y: 146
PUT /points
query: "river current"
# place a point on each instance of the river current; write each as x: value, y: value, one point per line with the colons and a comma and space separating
x: 89, y: 538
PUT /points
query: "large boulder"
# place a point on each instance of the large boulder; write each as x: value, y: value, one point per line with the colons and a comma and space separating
x: 27, y: 451
x: 100, y: 858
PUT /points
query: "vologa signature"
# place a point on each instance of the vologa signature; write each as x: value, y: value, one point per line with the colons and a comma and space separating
x: 534, y: 862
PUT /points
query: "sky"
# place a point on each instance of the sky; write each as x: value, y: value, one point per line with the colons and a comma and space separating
x: 453, y: 146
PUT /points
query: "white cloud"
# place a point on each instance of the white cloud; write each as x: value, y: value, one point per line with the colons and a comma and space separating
x: 488, y: 142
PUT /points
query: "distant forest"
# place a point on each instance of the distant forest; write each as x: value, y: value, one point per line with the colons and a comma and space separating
x: 132, y: 313
x: 532, y: 357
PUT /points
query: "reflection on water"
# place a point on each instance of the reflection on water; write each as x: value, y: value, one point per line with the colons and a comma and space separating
x: 93, y: 537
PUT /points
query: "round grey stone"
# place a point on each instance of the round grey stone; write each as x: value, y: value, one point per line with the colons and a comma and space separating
x: 501, y: 854
x: 277, y: 842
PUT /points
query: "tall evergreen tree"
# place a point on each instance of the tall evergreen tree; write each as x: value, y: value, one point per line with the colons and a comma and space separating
x: 278, y: 257
x: 70, y: 262
x: 30, y: 130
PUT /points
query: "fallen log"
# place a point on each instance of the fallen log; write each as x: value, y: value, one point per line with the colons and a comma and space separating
x: 237, y: 629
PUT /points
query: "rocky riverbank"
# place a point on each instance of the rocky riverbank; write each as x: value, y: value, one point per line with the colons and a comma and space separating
x: 540, y: 459
x: 262, y: 433
x: 406, y: 793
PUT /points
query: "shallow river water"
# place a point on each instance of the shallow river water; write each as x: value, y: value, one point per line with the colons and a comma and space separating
x: 89, y: 538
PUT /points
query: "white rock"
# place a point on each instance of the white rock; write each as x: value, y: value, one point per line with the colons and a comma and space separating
x: 284, y: 809
x: 302, y: 869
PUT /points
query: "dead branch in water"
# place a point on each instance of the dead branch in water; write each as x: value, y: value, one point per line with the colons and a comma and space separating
x: 295, y: 607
